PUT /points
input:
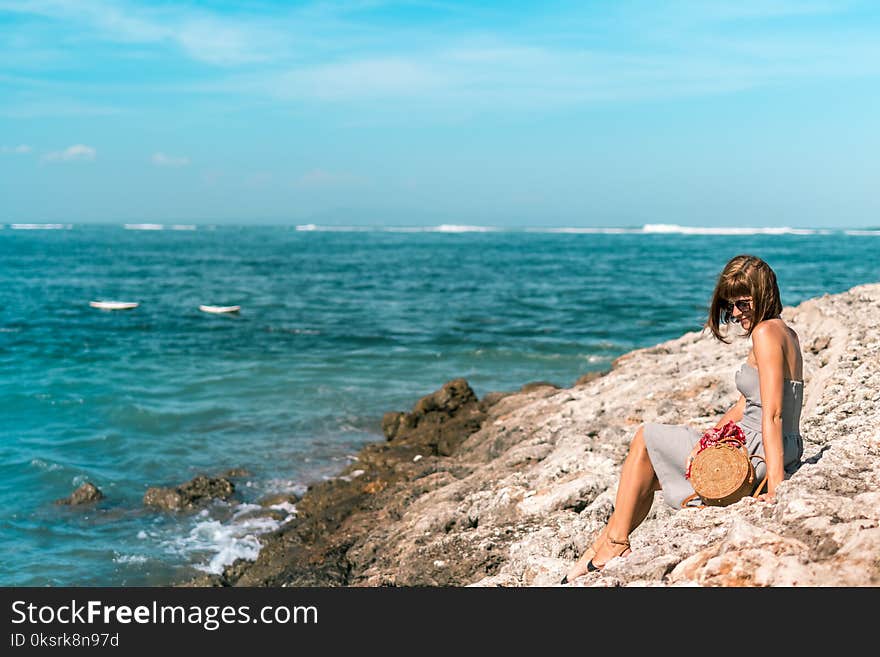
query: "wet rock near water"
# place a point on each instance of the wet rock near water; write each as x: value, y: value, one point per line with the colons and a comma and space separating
x: 236, y: 473
x: 332, y: 516
x: 196, y: 492
x: 279, y: 499
x: 87, y: 493
x: 438, y: 422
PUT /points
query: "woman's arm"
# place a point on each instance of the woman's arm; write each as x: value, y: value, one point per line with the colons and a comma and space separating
x: 735, y: 413
x: 768, y: 351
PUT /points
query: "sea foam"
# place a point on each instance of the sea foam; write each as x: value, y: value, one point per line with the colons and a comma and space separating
x: 225, y: 542
x: 41, y: 226
x: 726, y: 230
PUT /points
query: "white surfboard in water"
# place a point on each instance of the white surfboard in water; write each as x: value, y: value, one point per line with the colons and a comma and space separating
x: 114, y: 305
x: 219, y: 309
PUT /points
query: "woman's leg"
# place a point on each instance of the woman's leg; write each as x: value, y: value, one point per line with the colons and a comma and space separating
x: 635, y: 496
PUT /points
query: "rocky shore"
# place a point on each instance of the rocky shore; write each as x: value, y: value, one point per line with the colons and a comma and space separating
x: 509, y: 490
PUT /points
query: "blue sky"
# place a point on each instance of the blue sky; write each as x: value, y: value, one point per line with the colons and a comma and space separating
x: 745, y: 113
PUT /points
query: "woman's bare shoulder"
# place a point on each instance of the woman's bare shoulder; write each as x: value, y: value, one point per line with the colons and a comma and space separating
x: 770, y: 330
x: 767, y: 337
x: 775, y: 333
x: 781, y: 331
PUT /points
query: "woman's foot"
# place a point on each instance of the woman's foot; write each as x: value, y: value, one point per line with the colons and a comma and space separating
x: 581, y: 567
x: 609, y: 549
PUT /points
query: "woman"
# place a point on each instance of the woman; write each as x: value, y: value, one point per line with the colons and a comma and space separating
x: 768, y: 411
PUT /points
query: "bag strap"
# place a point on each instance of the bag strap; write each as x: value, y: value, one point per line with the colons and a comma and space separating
x: 758, y: 490
x: 764, y: 481
x: 690, y: 498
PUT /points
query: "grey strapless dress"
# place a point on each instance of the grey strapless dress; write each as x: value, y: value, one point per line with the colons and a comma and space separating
x: 669, y: 445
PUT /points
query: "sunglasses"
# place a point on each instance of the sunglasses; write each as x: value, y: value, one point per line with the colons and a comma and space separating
x: 744, y: 305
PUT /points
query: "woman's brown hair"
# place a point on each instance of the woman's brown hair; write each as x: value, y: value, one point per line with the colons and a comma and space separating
x: 744, y: 275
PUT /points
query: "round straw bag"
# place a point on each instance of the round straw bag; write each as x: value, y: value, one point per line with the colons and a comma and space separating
x: 722, y: 474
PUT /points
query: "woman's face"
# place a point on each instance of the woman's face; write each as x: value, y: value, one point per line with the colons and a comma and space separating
x: 741, y: 311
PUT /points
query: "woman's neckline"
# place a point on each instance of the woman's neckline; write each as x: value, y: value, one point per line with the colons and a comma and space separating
x: 784, y: 378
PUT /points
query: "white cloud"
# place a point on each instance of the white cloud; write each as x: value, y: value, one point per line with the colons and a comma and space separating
x: 340, y: 52
x: 163, y: 160
x: 475, y: 74
x: 21, y: 149
x: 218, y: 42
x: 75, y: 152
x: 365, y: 78
x: 204, y: 35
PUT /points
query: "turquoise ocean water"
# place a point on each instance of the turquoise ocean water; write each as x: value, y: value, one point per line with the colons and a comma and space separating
x: 337, y: 326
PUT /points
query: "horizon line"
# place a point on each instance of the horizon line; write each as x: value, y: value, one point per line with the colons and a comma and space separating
x: 643, y: 229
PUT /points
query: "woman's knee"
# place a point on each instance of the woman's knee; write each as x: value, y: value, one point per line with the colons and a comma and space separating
x: 637, y: 447
x: 637, y: 444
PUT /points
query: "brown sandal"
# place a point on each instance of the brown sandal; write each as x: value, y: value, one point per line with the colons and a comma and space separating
x: 593, y: 567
